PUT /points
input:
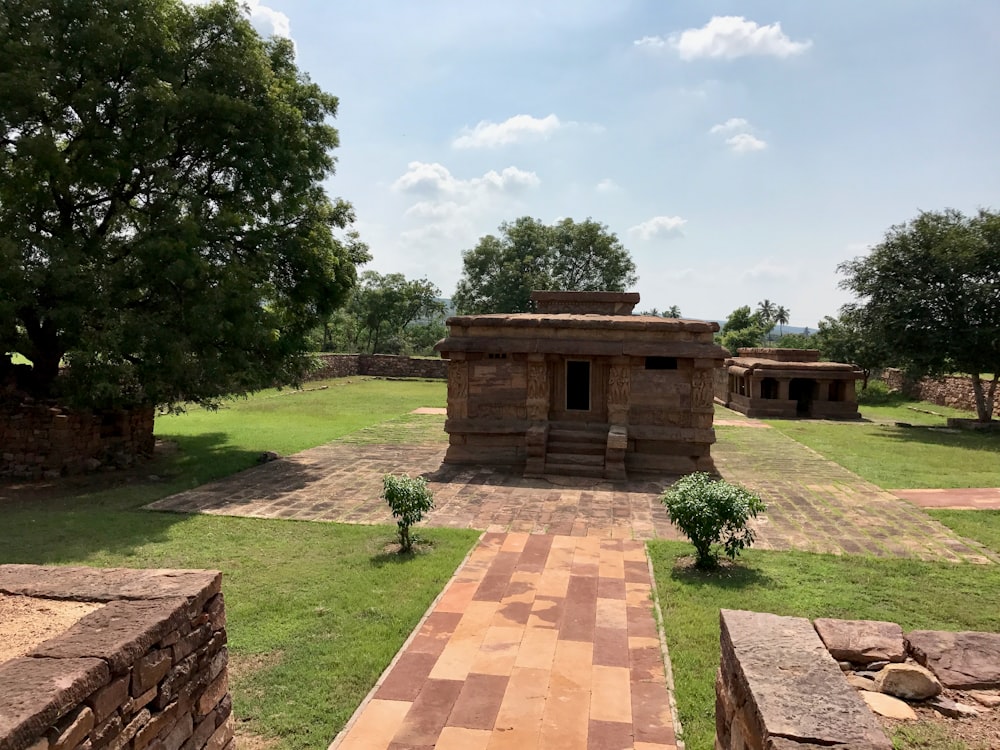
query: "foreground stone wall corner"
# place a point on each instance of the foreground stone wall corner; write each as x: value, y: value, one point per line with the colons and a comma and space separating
x: 148, y: 670
x: 778, y: 688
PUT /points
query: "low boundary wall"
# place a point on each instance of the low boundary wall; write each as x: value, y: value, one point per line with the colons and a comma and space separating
x: 953, y: 391
x: 148, y: 669
x: 379, y: 365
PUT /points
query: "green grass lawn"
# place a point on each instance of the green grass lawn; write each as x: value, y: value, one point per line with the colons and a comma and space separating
x: 912, y: 593
x: 316, y: 611
x: 903, y: 457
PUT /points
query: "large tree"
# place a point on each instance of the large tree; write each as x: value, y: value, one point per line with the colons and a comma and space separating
x: 499, y: 274
x: 848, y: 338
x: 164, y: 230
x: 386, y: 307
x: 931, y: 292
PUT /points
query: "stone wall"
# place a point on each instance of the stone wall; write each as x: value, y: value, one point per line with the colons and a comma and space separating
x: 945, y: 391
x: 44, y: 440
x: 148, y: 669
x: 379, y: 365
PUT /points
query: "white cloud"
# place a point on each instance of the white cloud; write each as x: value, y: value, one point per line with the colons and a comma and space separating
x: 740, y: 140
x: 515, y: 129
x: 769, y: 270
x: 607, y: 185
x: 743, y: 143
x: 728, y: 37
x: 436, y: 180
x: 659, y: 226
x: 267, y: 20
x: 732, y: 125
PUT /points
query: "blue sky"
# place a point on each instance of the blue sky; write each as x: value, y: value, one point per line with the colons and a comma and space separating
x: 739, y: 150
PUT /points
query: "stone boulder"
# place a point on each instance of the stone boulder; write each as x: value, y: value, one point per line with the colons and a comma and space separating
x: 910, y: 681
x: 886, y: 705
x: 964, y: 660
x: 862, y: 641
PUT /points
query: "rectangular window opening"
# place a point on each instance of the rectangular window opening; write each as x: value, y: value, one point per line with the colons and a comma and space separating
x: 577, y: 385
x: 661, y: 363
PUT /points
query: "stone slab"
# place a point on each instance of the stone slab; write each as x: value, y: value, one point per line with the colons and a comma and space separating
x: 862, y: 641
x: 108, y: 584
x: 119, y: 632
x: 964, y: 660
x: 35, y: 693
x: 798, y: 689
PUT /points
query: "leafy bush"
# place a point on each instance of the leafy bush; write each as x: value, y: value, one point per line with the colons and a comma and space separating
x: 878, y: 394
x: 409, y: 498
x: 712, y: 512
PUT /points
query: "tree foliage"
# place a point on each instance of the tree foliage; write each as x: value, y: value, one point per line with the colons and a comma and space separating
x: 743, y: 328
x: 389, y: 309
x: 163, y: 227
x: 499, y: 274
x: 931, y: 292
x: 847, y: 338
x: 409, y: 498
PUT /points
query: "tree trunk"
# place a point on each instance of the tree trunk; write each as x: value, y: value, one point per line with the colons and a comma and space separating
x: 984, y: 397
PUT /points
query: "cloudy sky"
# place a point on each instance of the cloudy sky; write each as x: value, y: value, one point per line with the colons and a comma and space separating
x: 740, y: 150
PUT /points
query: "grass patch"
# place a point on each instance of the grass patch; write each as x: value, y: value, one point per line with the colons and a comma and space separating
x: 912, y: 412
x: 409, y: 429
x: 316, y: 611
x: 915, y: 594
x: 903, y: 457
x: 981, y: 525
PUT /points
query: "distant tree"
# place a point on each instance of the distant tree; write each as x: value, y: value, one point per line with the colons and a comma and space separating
x: 930, y: 292
x: 672, y: 312
x: 781, y: 318
x: 795, y: 341
x: 164, y: 230
x: 499, y: 274
x: 848, y: 339
x: 744, y: 328
x: 385, y: 308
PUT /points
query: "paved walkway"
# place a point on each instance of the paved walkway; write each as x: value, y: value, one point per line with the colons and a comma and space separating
x: 953, y: 499
x: 539, y: 641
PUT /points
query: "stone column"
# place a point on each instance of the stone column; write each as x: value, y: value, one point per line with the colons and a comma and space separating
x: 822, y: 390
x: 537, y: 409
x: 783, y: 394
x: 458, y: 388
x: 619, y: 391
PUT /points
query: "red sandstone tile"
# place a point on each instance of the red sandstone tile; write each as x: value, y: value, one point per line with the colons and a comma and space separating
x: 497, y: 578
x: 435, y: 632
x: 610, y: 694
x: 611, y: 647
x: 535, y: 553
x: 637, y: 594
x: 612, y: 613
x: 609, y: 735
x: 457, y: 597
x: 612, y: 563
x: 564, y: 720
x: 646, y: 660
x: 515, y: 542
x: 547, y: 612
x: 580, y: 615
x: 429, y: 713
x: 538, y: 648
x: 376, y: 726
x: 636, y: 571
x: 634, y: 551
x: 498, y: 651
x: 456, y: 738
x: 519, y: 721
x: 641, y: 623
x: 651, y: 713
x: 463, y: 647
x: 479, y: 702
x: 655, y: 746
x: 611, y: 588
x: 403, y: 683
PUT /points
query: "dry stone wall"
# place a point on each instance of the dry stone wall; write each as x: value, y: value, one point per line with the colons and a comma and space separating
x: 146, y: 671
x: 43, y: 440
x: 378, y: 365
x: 955, y: 392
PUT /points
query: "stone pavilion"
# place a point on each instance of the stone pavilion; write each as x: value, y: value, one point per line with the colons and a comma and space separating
x: 581, y: 387
x: 788, y: 383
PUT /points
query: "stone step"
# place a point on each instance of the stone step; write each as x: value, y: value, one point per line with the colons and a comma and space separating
x: 561, y: 446
x: 574, y: 470
x: 574, y: 459
x: 578, y: 436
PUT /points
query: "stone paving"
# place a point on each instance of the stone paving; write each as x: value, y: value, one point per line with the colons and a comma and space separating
x: 539, y: 641
x: 813, y: 504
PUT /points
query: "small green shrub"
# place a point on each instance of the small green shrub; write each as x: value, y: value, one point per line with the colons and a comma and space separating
x: 409, y: 498
x: 712, y: 512
x: 878, y: 394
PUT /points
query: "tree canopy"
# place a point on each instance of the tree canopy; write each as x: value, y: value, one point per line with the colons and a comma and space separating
x: 499, y: 274
x: 930, y: 291
x: 384, y: 307
x: 164, y: 231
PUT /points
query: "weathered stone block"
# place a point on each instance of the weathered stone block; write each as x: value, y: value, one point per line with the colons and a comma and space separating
x: 862, y: 641
x: 963, y: 660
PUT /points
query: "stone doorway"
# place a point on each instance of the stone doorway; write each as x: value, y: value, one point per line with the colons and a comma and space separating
x: 577, y: 385
x: 802, y: 391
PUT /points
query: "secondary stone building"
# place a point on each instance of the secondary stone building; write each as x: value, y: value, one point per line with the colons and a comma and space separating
x: 581, y: 387
x: 782, y: 383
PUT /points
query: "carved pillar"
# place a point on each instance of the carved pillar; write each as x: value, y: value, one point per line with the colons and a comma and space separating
x: 822, y: 390
x: 850, y: 391
x: 701, y: 390
x: 537, y: 401
x: 783, y: 389
x: 619, y: 392
x: 458, y: 389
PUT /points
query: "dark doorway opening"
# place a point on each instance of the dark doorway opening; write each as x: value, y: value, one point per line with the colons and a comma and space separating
x: 768, y: 388
x: 802, y: 392
x: 577, y: 385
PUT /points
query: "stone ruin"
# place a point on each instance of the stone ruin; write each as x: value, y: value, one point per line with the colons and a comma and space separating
x: 788, y: 383
x: 581, y: 387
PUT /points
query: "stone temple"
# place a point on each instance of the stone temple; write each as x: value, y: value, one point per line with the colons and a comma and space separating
x: 788, y: 383
x: 581, y: 387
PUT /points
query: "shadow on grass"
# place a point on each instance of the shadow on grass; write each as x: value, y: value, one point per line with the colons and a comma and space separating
x: 728, y: 576
x: 77, y: 518
x: 392, y: 555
